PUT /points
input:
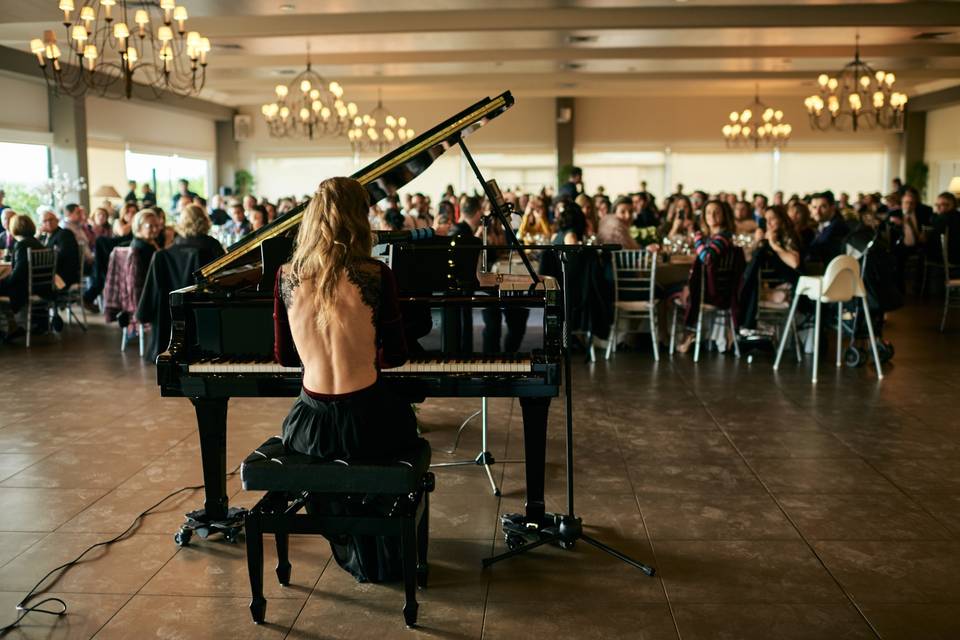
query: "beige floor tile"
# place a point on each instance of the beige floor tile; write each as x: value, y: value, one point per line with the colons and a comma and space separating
x: 28, y: 509
x: 121, y: 568
x: 86, y: 613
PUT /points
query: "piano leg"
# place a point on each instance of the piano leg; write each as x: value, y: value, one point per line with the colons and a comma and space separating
x: 535, y: 411
x: 212, y: 425
x: 216, y: 515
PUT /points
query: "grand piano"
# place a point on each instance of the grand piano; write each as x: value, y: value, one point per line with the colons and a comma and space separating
x: 221, y: 341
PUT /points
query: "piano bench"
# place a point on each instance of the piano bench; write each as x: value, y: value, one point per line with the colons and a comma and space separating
x: 289, y: 478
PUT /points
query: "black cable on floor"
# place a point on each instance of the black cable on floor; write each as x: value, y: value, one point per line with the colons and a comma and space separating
x: 26, y: 609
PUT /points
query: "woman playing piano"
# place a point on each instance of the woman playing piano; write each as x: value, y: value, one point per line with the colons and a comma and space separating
x: 336, y: 311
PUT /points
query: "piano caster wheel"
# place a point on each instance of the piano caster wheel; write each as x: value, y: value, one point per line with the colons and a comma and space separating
x: 182, y: 538
x: 230, y: 535
x: 203, y: 532
x: 514, y: 541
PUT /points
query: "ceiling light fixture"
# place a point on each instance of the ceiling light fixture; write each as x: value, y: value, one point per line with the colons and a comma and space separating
x: 108, y: 44
x: 757, y: 125
x: 858, y: 97
x: 308, y: 106
x: 378, y: 130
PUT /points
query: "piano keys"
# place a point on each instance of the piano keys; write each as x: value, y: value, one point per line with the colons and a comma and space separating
x: 221, y: 343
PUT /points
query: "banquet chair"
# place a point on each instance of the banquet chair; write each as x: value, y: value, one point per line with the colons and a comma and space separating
x: 949, y: 284
x: 929, y: 262
x: 121, y: 293
x: 726, y: 274
x: 72, y: 296
x: 42, y: 265
x: 775, y: 313
x: 840, y: 283
x: 634, y: 284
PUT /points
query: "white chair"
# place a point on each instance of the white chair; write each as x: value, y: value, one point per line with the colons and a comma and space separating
x: 949, y: 284
x: 634, y: 282
x: 839, y: 284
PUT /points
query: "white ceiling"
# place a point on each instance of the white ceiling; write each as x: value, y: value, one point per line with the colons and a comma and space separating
x: 450, y: 48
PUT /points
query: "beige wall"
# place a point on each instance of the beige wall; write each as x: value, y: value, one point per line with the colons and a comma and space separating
x: 942, y: 148
x: 528, y: 126
x: 147, y: 128
x: 24, y: 104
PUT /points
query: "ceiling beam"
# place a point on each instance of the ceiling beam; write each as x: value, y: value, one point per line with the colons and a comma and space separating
x: 936, y: 99
x: 22, y: 63
x: 557, y: 79
x: 918, y: 50
x: 926, y: 14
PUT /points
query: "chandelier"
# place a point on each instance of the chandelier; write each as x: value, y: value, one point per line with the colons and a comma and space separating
x: 857, y: 97
x: 108, y: 44
x: 378, y: 130
x: 757, y: 124
x: 308, y: 107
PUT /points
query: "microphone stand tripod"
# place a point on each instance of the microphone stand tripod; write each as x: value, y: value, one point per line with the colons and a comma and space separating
x: 563, y: 529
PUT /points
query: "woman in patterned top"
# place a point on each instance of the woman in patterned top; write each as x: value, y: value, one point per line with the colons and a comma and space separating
x: 710, y: 247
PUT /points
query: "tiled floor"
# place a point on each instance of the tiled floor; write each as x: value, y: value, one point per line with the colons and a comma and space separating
x: 771, y: 508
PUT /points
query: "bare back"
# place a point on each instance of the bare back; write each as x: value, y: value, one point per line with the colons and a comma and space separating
x: 340, y: 356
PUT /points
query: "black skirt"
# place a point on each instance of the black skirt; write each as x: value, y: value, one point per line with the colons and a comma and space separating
x: 371, y: 426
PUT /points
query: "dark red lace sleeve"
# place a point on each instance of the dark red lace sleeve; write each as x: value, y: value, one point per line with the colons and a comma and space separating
x: 392, y: 350
x: 284, y: 350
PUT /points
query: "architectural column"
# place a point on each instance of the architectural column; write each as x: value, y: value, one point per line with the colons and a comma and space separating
x: 68, y: 124
x: 227, y: 158
x: 914, y: 142
x: 564, y: 113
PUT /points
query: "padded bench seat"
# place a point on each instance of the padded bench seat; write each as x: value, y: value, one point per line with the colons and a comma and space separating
x: 288, y: 478
x: 271, y: 467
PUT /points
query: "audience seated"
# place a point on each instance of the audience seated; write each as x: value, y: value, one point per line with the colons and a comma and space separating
x: 827, y: 244
x: 65, y: 242
x: 193, y: 226
x: 946, y: 220
x: 15, y: 285
x: 713, y: 243
x: 614, y: 227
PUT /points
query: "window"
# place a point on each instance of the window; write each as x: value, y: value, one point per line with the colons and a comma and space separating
x: 723, y: 171
x: 23, y: 167
x: 278, y: 177
x: 803, y: 172
x: 162, y: 172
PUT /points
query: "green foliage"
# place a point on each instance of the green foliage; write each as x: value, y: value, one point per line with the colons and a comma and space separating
x: 917, y: 176
x: 243, y: 182
x: 22, y: 199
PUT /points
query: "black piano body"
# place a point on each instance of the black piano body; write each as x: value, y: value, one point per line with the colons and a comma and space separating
x: 221, y: 343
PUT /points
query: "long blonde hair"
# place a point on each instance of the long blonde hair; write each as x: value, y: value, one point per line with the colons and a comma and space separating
x: 334, y: 234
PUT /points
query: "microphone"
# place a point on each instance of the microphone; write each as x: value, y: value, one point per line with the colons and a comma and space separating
x: 405, y: 235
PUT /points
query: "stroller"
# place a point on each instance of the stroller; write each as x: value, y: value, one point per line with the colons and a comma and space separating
x: 877, y: 270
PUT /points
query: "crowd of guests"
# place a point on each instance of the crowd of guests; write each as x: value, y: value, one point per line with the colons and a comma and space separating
x: 786, y: 236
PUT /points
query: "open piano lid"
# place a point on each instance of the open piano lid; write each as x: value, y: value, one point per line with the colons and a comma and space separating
x: 383, y: 177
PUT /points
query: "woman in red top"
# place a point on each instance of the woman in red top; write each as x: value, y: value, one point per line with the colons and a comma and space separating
x: 336, y: 311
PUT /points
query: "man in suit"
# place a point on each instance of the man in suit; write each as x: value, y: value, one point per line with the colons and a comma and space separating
x: 947, y: 220
x: 65, y: 242
x: 831, y: 229
x: 132, y: 194
x: 573, y: 186
x: 6, y: 237
x: 470, y: 213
